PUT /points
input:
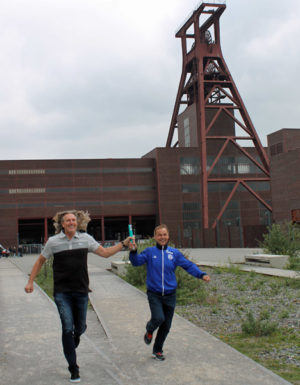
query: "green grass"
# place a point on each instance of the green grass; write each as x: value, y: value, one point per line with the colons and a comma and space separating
x: 258, y: 348
x: 45, y: 278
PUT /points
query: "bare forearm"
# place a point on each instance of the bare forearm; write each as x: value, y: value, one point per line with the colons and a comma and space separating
x: 36, y: 268
x: 109, y: 251
x: 34, y: 272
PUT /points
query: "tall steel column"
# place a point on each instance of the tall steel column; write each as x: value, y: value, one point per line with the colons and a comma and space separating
x: 207, y: 83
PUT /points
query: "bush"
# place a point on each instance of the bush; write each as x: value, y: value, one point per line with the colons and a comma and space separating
x: 283, y: 239
x: 189, y: 289
x: 136, y: 276
x: 258, y: 327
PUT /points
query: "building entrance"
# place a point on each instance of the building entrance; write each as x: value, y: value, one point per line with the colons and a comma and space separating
x: 31, y: 231
x: 116, y: 228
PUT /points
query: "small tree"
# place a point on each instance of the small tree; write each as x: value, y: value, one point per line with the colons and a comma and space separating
x: 283, y: 239
x: 258, y: 327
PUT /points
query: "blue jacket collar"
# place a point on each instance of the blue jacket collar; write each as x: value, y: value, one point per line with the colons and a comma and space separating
x: 160, y: 247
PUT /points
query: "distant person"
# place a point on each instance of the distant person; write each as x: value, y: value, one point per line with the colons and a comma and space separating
x: 161, y: 261
x: 70, y: 247
x: 20, y: 251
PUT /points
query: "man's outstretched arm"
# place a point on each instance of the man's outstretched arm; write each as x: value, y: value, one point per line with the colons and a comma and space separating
x: 34, y: 272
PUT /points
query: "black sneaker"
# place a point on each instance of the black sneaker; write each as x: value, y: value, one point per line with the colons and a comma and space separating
x: 148, y: 338
x: 75, y: 377
x: 158, y: 356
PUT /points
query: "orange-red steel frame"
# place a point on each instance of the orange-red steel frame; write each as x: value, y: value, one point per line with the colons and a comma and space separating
x: 206, y: 81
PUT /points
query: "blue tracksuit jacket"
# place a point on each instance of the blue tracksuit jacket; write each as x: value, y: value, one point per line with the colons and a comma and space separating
x: 161, y: 265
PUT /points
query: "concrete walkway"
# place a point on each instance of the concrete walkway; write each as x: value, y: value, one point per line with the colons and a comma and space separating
x: 112, y: 351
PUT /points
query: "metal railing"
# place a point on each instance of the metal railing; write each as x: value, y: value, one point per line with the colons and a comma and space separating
x: 34, y: 248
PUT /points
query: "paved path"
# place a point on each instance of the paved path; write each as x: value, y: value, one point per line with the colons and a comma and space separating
x: 111, y: 352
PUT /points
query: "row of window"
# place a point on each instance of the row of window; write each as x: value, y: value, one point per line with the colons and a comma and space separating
x: 226, y: 165
x: 116, y: 170
x: 25, y: 172
x: 188, y: 166
x: 225, y: 186
x: 76, y: 189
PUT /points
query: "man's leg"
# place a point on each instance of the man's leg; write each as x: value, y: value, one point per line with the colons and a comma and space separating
x: 64, y: 305
x: 157, y: 313
x: 169, y: 303
x: 80, y: 305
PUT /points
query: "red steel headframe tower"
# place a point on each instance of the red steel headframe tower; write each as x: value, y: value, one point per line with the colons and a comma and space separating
x: 207, y: 83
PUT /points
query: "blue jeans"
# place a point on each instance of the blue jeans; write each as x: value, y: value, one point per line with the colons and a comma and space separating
x: 162, y: 310
x: 72, y: 308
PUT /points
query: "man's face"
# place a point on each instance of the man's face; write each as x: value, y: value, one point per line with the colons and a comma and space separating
x: 161, y: 236
x: 69, y: 223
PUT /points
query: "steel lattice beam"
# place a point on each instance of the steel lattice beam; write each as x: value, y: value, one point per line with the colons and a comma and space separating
x: 206, y: 82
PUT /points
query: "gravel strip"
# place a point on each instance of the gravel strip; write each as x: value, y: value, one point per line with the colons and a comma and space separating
x: 231, y: 296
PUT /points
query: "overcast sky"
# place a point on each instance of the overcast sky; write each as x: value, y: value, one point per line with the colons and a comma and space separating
x: 98, y: 78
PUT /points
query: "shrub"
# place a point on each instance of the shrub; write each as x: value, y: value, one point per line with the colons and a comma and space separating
x: 283, y: 239
x: 136, y: 276
x: 258, y: 327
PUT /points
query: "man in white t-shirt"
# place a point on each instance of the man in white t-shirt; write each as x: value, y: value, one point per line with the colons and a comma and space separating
x: 70, y: 248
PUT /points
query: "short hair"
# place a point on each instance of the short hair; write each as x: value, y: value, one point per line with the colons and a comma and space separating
x: 159, y: 227
x: 83, y: 218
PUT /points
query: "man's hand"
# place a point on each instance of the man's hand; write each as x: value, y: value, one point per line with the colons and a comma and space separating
x: 29, y: 287
x: 132, y: 245
x: 206, y: 278
x: 126, y: 241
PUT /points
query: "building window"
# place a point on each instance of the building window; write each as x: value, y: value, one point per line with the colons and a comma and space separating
x: 231, y: 216
x: 187, y: 136
x: 259, y: 186
x: 190, y: 188
x: 26, y: 172
x: 276, y: 149
x: 189, y: 165
x: 220, y: 186
x: 227, y: 165
x: 188, y: 228
x: 265, y: 216
x: 191, y: 206
x: 27, y: 190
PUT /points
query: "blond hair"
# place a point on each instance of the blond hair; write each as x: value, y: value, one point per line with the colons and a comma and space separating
x: 159, y: 227
x: 83, y: 218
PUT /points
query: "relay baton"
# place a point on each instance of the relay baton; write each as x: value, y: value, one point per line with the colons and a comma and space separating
x: 130, y: 232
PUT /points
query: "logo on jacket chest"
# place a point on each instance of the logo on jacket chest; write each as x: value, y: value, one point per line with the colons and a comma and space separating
x: 170, y: 255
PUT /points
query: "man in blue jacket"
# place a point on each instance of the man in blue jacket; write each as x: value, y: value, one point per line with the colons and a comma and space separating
x: 162, y: 261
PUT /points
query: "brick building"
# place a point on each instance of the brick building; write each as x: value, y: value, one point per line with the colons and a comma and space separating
x: 213, y: 184
x: 284, y: 152
x: 163, y: 186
